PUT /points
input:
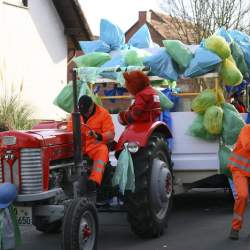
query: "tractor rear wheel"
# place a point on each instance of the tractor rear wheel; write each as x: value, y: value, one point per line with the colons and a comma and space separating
x: 149, y: 206
x: 80, y: 226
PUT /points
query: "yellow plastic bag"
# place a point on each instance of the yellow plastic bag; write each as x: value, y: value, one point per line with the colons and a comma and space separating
x: 204, y: 100
x: 230, y: 74
x: 213, y: 118
x: 218, y: 45
x: 197, y: 129
x: 219, y: 95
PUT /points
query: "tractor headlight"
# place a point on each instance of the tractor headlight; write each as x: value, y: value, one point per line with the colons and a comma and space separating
x: 8, y: 140
x: 133, y: 147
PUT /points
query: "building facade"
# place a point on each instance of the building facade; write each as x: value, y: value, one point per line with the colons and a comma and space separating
x: 37, y: 37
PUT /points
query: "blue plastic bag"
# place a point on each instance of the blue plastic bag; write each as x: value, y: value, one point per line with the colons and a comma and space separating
x: 142, y: 38
x: 203, y: 62
x: 161, y: 65
x: 175, y: 99
x: 166, y: 118
x: 236, y: 89
x: 94, y: 46
x: 117, y: 61
x: 239, y: 36
x: 223, y: 32
x: 114, y: 92
x: 111, y: 34
x: 245, y: 46
x: 248, y: 118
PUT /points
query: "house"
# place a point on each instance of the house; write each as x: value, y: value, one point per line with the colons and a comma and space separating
x: 38, y: 38
x: 161, y: 27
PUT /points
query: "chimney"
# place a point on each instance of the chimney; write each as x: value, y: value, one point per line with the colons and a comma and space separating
x: 144, y: 16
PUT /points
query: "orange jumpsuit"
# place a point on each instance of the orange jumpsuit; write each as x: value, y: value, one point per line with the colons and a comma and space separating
x: 239, y: 163
x: 101, y: 122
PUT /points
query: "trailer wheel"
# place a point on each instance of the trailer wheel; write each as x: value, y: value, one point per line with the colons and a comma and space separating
x: 49, y: 228
x: 149, y: 206
x: 80, y: 226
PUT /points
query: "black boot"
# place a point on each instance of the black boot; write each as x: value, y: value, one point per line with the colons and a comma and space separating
x: 234, y: 234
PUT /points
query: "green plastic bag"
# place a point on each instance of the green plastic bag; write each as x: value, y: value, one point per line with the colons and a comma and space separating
x: 197, y: 129
x: 239, y: 58
x: 64, y: 99
x: 135, y: 57
x: 124, y: 176
x: 94, y: 59
x: 213, y: 120
x: 178, y: 52
x: 204, y: 100
x: 218, y: 45
x: 232, y: 124
x: 165, y: 102
x: 224, y: 153
x: 230, y: 74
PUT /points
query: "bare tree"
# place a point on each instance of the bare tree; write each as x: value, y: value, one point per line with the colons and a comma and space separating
x: 197, y: 19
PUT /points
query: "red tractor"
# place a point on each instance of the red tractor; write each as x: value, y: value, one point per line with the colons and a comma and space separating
x: 50, y: 172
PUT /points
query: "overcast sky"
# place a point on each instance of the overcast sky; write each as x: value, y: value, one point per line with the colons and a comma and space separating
x: 123, y: 13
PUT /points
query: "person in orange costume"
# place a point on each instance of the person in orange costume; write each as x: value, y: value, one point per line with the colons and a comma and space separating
x: 239, y: 163
x: 146, y: 106
x: 97, y: 131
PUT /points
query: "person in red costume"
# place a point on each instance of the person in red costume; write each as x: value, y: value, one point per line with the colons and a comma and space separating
x: 146, y: 107
x: 237, y: 101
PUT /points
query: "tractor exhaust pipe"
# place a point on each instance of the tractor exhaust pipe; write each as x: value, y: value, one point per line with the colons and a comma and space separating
x: 77, y: 140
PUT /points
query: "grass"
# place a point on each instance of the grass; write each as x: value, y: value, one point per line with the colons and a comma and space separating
x: 14, y: 113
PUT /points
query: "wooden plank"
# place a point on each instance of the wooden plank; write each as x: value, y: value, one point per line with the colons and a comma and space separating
x: 116, y: 97
x: 186, y: 94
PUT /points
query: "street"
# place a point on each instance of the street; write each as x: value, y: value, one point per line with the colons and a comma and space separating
x: 199, y: 221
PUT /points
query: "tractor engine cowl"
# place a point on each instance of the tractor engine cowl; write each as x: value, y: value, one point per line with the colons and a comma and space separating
x: 25, y: 157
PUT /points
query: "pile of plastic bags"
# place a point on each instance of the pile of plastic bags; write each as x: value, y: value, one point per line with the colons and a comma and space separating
x: 216, y: 120
x: 225, y: 52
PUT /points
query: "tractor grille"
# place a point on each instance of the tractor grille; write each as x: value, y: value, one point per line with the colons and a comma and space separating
x: 10, y: 174
x: 31, y: 171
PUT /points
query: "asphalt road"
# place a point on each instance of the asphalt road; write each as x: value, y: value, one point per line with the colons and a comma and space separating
x: 199, y: 221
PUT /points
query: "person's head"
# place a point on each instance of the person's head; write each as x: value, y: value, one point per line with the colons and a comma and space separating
x: 238, y: 96
x: 135, y: 81
x: 85, y: 105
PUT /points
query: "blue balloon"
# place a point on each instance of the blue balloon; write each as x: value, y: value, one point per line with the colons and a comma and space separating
x: 8, y: 193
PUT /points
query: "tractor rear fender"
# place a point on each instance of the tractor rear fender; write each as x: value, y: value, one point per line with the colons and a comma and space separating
x: 140, y: 133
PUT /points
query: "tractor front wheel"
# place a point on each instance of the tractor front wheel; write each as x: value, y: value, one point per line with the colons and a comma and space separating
x: 80, y: 226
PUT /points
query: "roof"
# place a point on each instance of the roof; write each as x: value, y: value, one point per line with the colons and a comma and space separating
x: 163, y: 26
x: 75, y: 23
x: 167, y: 28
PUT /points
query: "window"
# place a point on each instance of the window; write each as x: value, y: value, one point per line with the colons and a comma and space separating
x: 18, y: 3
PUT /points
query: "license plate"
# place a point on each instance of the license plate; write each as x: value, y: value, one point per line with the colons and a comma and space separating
x: 24, y: 216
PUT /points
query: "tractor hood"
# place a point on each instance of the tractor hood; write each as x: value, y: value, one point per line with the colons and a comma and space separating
x: 35, y: 138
